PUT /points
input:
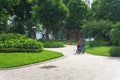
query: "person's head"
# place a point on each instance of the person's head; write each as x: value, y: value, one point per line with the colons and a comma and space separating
x: 82, y: 36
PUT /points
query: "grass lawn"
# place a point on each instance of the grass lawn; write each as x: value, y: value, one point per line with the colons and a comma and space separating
x: 103, y: 51
x: 8, y: 60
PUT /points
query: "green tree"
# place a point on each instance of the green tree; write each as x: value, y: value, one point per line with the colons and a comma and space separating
x: 106, y: 9
x: 3, y: 22
x: 19, y: 8
x: 3, y: 16
x: 23, y: 12
x: 52, y: 13
x: 78, y: 11
x: 100, y: 30
x: 115, y: 33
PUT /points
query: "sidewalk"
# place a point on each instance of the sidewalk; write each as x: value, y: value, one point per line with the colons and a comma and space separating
x: 72, y: 67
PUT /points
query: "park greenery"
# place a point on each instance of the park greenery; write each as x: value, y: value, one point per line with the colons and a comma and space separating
x: 101, y: 21
x: 78, y: 11
x: 18, y: 50
x: 48, y: 13
x: 100, y: 50
x: 18, y: 43
x: 20, y: 59
x: 52, y: 44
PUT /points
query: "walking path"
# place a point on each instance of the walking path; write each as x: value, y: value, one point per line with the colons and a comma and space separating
x: 71, y: 67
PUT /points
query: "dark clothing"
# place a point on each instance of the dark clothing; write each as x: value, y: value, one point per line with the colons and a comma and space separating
x: 82, y: 41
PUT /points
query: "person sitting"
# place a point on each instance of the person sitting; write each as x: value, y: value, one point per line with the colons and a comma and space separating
x: 78, y: 46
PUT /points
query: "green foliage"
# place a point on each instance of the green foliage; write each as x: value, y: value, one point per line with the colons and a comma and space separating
x: 52, y: 44
x: 19, y: 59
x: 115, y: 51
x: 78, y: 11
x: 100, y: 30
x: 106, y: 9
x: 3, y: 16
x: 21, y: 44
x: 15, y: 42
x: 10, y: 50
x: 70, y: 42
x: 20, y: 9
x: 115, y: 33
x: 52, y: 13
x: 98, y: 43
x: 66, y: 1
x: 10, y: 36
x: 23, y: 14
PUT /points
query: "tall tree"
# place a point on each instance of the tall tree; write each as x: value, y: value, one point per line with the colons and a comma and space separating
x: 100, y: 30
x: 6, y: 8
x: 23, y: 14
x: 78, y: 11
x: 19, y: 8
x: 106, y: 9
x: 52, y: 13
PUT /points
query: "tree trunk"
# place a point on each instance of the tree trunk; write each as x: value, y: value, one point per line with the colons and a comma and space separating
x: 47, y: 34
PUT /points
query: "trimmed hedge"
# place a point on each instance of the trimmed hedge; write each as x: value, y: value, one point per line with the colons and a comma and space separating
x: 21, y: 44
x: 98, y: 43
x: 52, y: 44
x: 10, y: 36
x: 18, y: 43
x: 115, y: 52
x: 9, y: 50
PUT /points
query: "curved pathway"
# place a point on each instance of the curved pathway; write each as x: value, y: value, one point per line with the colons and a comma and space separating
x: 70, y: 67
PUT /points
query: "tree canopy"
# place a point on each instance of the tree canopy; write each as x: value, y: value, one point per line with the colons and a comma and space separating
x: 115, y: 33
x: 100, y: 30
x: 106, y: 9
x: 78, y: 11
x: 20, y: 9
x: 52, y: 13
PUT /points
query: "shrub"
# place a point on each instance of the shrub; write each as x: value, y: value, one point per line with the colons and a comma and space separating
x: 9, y: 50
x: 115, y: 51
x: 98, y: 43
x: 115, y: 33
x: 52, y: 44
x: 10, y: 36
x: 16, y: 42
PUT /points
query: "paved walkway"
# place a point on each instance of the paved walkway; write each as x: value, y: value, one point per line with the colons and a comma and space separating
x: 71, y: 67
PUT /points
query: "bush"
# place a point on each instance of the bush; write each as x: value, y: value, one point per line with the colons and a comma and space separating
x: 52, y: 44
x: 98, y: 43
x: 115, y: 33
x: 115, y: 51
x: 10, y: 36
x: 9, y: 50
x: 21, y: 44
x: 16, y: 42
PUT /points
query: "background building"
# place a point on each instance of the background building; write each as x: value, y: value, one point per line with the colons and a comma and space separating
x: 89, y: 2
